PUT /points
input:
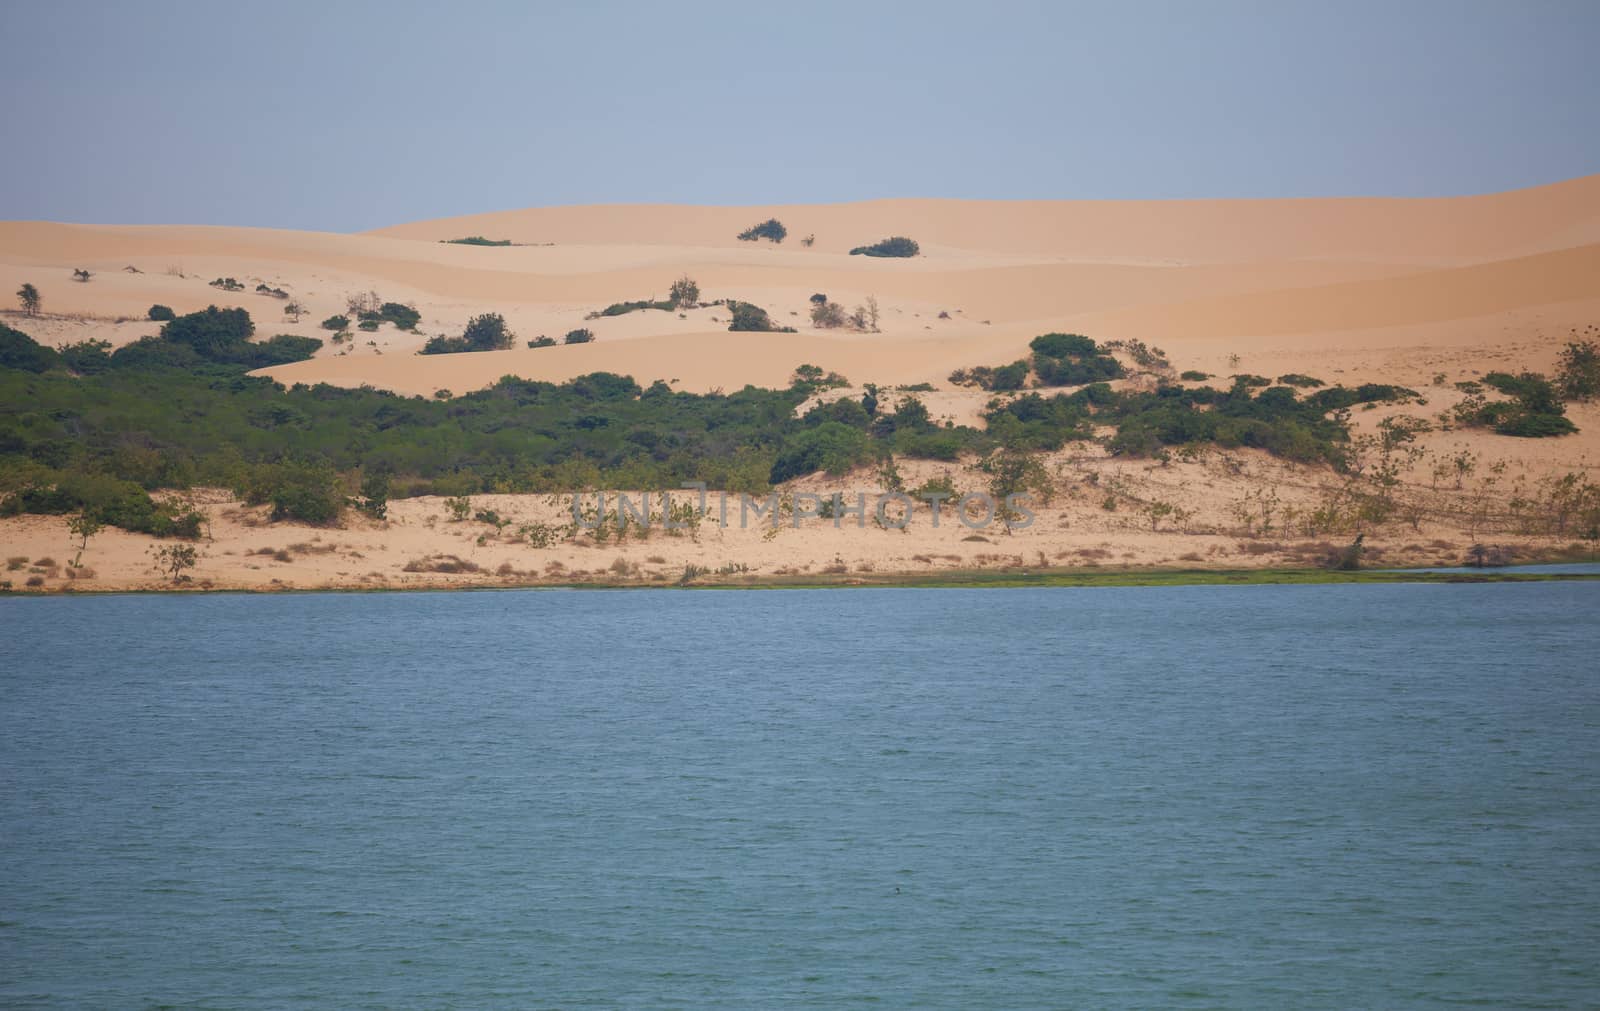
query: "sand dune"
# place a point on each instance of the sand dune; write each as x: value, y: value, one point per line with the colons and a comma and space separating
x: 1207, y: 279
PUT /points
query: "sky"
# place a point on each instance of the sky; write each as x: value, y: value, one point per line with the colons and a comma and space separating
x: 344, y: 116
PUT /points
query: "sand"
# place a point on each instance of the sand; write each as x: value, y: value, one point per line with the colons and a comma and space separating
x: 1350, y: 290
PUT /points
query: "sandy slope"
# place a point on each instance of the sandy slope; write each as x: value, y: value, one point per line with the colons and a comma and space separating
x: 1350, y: 290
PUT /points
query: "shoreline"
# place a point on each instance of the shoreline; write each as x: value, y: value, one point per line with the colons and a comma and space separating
x: 960, y: 579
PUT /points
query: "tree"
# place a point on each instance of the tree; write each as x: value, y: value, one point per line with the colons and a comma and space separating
x: 487, y: 332
x: 161, y: 313
x: 28, y: 295
x: 175, y: 559
x: 293, y: 310
x: 685, y: 292
x: 869, y: 400
x: 83, y: 526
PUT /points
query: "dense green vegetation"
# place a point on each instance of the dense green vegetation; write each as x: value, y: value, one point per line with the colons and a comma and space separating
x: 84, y: 430
x: 161, y: 313
x: 477, y: 240
x: 896, y: 246
x: 771, y: 229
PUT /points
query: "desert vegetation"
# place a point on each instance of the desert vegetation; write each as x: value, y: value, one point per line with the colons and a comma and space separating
x: 485, y: 332
x: 895, y: 246
x: 771, y: 229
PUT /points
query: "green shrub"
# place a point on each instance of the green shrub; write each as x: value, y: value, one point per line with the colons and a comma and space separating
x: 771, y: 229
x: 487, y: 332
x: 896, y: 246
x: 1061, y: 359
x: 832, y: 446
x: 542, y: 341
x: 160, y: 313
x: 402, y: 316
x: 19, y: 351
x: 1578, y: 371
x: 305, y: 492
x: 369, y: 325
x: 86, y: 358
x: 478, y: 240
x: 336, y: 323
x: 1194, y: 376
x: 622, y: 308
x: 210, y: 331
x: 750, y: 317
x: 582, y: 335
x: 1304, y: 382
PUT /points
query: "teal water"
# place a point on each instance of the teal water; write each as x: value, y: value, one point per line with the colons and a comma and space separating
x: 1313, y: 796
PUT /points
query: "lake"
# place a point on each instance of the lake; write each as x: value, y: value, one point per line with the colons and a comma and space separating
x: 1275, y: 796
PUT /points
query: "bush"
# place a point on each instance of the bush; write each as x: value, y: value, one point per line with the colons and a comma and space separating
x: 306, y: 492
x: 685, y: 293
x: 827, y: 315
x: 1304, y: 382
x: 477, y: 240
x: 1194, y: 376
x: 336, y: 323
x: 402, y: 316
x: 442, y: 345
x: 369, y: 325
x: 1578, y: 373
x: 771, y: 229
x: 1535, y: 410
x: 542, y: 341
x: 86, y: 358
x: 897, y: 246
x: 160, y: 313
x: 623, y: 308
x: 832, y: 446
x: 582, y: 335
x: 210, y: 331
x: 487, y: 332
x: 19, y: 351
x: 747, y: 316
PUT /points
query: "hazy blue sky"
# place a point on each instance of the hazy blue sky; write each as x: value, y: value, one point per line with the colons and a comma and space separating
x: 344, y: 116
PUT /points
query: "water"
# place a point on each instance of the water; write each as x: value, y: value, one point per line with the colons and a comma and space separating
x: 1317, y: 796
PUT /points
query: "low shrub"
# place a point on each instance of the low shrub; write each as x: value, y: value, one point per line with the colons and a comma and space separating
x: 895, y: 246
x: 771, y: 229
x: 160, y: 313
